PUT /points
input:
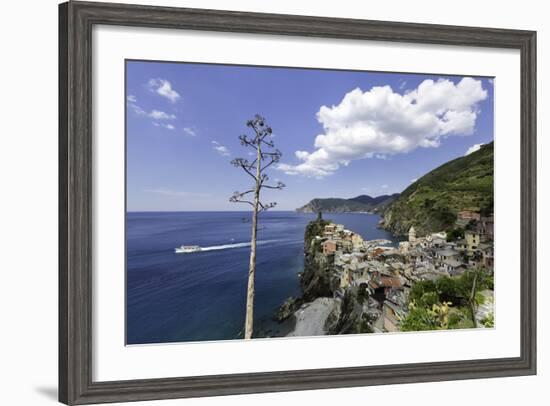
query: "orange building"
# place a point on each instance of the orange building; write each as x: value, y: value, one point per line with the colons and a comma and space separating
x: 329, y: 247
x: 468, y: 215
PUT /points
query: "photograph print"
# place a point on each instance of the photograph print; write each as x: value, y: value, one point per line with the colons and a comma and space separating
x: 270, y: 202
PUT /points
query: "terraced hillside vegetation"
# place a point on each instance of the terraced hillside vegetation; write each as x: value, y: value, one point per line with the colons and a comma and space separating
x: 432, y: 202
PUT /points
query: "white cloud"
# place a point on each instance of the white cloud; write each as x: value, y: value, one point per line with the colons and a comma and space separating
x: 167, y: 126
x: 473, y: 148
x: 221, y: 149
x: 384, y: 186
x: 131, y: 98
x: 381, y: 122
x: 154, y: 114
x: 163, y: 88
x: 414, y: 180
x: 136, y: 109
x: 161, y: 115
x: 169, y: 192
x: 190, y: 131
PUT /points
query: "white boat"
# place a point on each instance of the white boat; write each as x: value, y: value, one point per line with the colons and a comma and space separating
x: 187, y: 249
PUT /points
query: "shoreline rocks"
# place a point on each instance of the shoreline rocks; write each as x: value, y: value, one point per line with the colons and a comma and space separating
x: 311, y: 318
x: 287, y: 309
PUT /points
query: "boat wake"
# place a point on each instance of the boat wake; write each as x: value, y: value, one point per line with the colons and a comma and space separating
x: 229, y: 246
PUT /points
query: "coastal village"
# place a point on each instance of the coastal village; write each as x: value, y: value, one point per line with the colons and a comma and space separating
x: 386, y: 274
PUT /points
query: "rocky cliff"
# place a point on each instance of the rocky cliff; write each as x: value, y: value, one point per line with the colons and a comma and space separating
x: 318, y: 278
x: 324, y: 308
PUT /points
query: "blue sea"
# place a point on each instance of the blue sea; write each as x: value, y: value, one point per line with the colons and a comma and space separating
x: 202, y: 296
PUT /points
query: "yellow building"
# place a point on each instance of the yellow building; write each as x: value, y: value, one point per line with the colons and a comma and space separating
x: 357, y: 241
x: 472, y: 240
x: 329, y: 230
x: 345, y: 280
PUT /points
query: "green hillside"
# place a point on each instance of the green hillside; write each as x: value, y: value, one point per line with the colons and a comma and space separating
x: 431, y: 203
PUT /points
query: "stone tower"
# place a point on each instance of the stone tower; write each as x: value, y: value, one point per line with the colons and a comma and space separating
x: 412, y: 234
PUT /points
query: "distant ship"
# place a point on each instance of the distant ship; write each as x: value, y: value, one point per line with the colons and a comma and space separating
x: 187, y: 249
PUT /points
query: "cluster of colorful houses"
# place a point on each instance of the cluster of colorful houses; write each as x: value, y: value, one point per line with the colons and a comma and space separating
x: 388, y: 272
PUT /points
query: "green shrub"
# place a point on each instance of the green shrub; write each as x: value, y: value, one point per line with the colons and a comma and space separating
x: 489, y: 321
x: 455, y: 234
x: 429, y: 299
x: 420, y: 288
x: 447, y: 289
x: 446, y: 303
x: 419, y: 319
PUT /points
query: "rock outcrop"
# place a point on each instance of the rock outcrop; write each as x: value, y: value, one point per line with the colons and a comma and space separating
x: 324, y: 307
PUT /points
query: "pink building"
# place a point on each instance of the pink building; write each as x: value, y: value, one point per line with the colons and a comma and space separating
x: 468, y: 215
x: 329, y: 247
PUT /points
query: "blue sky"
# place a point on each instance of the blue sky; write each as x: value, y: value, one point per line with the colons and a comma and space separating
x: 342, y: 133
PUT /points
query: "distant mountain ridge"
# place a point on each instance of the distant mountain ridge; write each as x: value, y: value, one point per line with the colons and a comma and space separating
x: 361, y: 203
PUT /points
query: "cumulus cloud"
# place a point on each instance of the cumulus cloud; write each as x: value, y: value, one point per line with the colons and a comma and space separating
x: 473, y: 148
x: 221, y: 149
x: 380, y: 122
x: 163, y: 88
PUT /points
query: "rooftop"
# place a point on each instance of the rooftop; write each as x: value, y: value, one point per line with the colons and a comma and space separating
x: 453, y: 263
x: 447, y: 253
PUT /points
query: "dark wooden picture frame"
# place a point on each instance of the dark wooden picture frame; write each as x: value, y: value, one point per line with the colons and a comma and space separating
x: 76, y: 20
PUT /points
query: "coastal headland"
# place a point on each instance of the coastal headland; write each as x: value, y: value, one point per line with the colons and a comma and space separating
x: 351, y: 285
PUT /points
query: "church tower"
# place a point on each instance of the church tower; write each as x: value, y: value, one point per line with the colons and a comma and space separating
x: 412, y: 234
